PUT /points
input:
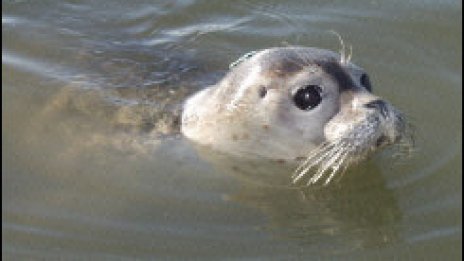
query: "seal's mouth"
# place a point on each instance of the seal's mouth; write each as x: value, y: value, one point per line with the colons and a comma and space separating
x: 354, y: 142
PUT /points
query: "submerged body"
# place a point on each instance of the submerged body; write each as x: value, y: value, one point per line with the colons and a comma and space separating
x: 293, y: 104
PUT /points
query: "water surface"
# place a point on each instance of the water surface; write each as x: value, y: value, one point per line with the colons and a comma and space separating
x: 85, y: 176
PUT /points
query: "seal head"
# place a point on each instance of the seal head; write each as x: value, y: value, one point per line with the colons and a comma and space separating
x: 293, y: 103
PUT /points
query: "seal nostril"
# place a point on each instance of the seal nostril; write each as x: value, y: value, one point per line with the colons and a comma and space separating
x: 379, y: 105
x: 366, y: 82
x: 381, y: 141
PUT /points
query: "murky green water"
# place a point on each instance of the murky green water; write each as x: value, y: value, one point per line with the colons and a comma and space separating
x: 85, y: 177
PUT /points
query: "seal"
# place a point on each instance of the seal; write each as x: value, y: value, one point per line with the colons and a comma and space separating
x: 294, y: 104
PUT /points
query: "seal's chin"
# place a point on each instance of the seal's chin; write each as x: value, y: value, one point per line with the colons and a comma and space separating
x: 349, y: 142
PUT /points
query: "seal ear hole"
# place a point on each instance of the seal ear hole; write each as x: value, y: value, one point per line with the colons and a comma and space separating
x: 365, y: 82
x: 307, y: 97
x: 262, y: 91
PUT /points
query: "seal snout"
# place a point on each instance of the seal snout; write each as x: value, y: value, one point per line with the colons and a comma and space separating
x: 368, y: 121
x: 391, y: 130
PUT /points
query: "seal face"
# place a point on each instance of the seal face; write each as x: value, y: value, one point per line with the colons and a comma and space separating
x: 293, y: 103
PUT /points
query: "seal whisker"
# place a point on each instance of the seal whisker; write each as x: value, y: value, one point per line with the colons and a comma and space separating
x: 316, y: 156
x: 336, y: 167
x: 325, y: 165
x: 348, y: 59
x: 331, y: 162
x: 321, y: 148
x: 320, y: 159
x: 303, y: 172
x: 343, y: 58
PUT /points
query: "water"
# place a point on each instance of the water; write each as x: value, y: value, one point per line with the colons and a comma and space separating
x: 84, y: 177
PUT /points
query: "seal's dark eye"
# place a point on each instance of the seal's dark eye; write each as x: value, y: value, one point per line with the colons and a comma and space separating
x: 365, y: 82
x: 308, y: 97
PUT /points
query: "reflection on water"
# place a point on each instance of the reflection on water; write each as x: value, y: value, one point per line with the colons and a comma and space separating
x: 343, y: 213
x: 94, y: 166
x: 346, y: 212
